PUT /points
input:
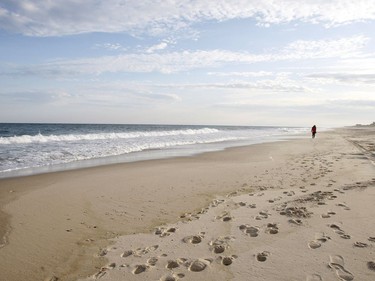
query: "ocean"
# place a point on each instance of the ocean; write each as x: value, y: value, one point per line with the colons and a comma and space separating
x: 27, y: 149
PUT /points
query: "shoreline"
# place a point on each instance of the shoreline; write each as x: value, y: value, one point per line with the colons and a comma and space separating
x: 101, y: 203
x: 145, y: 155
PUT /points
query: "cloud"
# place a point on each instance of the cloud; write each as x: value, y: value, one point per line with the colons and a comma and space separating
x: 343, y: 47
x: 353, y: 103
x: 157, y: 47
x: 344, y: 78
x: 107, y: 95
x: 242, y: 74
x: 34, y: 97
x: 110, y: 46
x: 276, y: 85
x: 171, y: 62
x: 334, y: 106
x: 155, y: 17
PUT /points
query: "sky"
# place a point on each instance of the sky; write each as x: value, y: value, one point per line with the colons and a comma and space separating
x: 208, y: 62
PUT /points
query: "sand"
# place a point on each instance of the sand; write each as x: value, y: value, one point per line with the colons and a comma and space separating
x: 301, y: 209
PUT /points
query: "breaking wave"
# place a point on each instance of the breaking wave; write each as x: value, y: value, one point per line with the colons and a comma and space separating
x: 39, y: 138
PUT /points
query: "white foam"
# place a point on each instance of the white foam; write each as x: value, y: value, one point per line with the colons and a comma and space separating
x: 21, y: 152
x: 39, y: 138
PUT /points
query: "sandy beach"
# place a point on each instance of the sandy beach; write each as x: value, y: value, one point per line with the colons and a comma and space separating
x: 300, y: 209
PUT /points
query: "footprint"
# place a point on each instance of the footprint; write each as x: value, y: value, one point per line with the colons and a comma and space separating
x: 172, y: 230
x: 322, y: 237
x: 360, y: 245
x: 337, y: 263
x: 314, y: 277
x: 139, y: 268
x: 159, y: 231
x: 371, y: 265
x: 262, y: 257
x: 110, y: 266
x: 241, y: 204
x: 295, y: 221
x: 193, y: 239
x: 103, y: 271
x: 224, y: 217
x: 262, y: 215
x: 227, y: 260
x: 203, y: 211
x: 234, y: 193
x: 344, y: 206
x: 127, y: 253
x: 218, y: 249
x: 337, y: 229
x: 152, y: 261
x: 319, y: 239
x: 163, y: 232
x: 103, y: 252
x: 290, y: 193
x: 183, y: 261
x: 220, y: 244
x: 272, y: 228
x: 371, y: 239
x: 216, y: 202
x: 314, y: 244
x: 168, y: 278
x: 172, y: 264
x: 327, y: 215
x: 143, y: 251
x: 296, y: 212
x: 173, y: 277
x: 198, y: 265
x: 99, y: 274
x: 252, y: 231
x: 52, y: 278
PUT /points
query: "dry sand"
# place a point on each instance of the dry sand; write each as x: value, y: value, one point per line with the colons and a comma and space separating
x: 296, y: 210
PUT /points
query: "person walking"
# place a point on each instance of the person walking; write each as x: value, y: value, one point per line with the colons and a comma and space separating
x: 313, y: 131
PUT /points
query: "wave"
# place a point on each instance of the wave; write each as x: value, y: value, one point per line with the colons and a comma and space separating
x: 39, y: 138
x: 49, y: 157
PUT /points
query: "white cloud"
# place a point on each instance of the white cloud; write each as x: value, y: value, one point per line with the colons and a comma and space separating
x: 56, y: 18
x: 326, y: 48
x: 103, y: 94
x: 242, y: 74
x: 270, y: 85
x: 367, y: 79
x: 110, y: 46
x: 34, y: 96
x: 157, y: 47
x: 353, y: 103
x: 170, y: 62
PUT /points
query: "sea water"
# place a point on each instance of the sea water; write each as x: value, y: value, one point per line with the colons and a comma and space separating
x: 37, y: 148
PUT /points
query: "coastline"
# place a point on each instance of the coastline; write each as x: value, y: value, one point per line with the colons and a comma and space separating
x: 62, y: 221
x: 146, y: 155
